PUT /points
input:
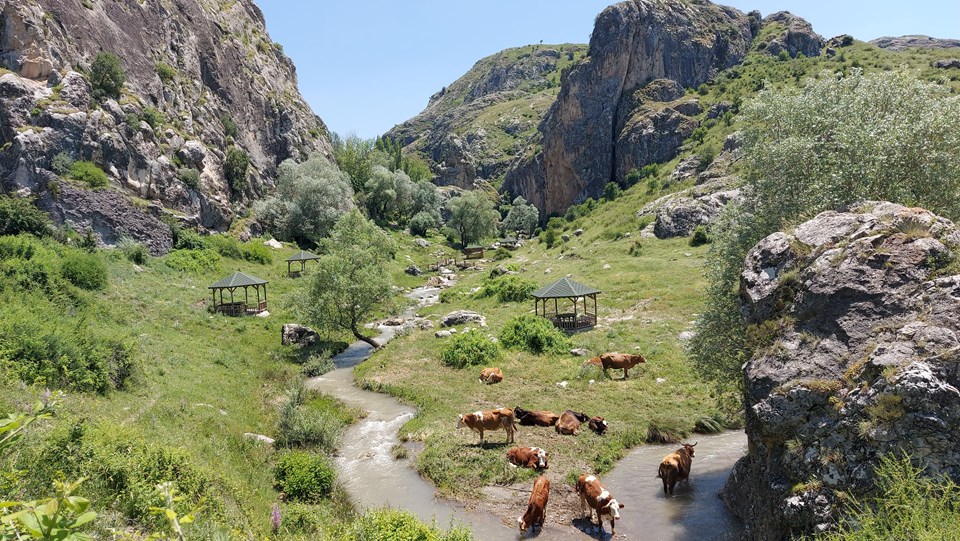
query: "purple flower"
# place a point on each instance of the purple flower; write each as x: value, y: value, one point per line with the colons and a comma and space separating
x: 275, y: 517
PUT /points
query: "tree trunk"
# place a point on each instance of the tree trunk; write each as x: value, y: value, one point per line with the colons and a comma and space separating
x: 356, y: 332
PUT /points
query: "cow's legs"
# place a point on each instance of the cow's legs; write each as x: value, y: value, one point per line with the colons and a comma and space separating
x: 583, y: 504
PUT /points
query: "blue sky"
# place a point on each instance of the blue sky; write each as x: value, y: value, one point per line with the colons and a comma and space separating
x: 364, y: 66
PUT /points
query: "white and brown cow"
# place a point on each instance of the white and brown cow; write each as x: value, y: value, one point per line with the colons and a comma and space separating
x: 676, y: 467
x: 491, y: 375
x: 537, y: 508
x: 569, y: 422
x: 599, y: 499
x: 598, y: 424
x: 528, y: 457
x: 489, y: 420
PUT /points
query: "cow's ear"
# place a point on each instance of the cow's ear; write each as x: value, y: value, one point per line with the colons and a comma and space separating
x: 621, y: 506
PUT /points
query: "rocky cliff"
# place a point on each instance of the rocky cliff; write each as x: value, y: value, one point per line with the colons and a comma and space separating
x: 202, y: 77
x: 857, y: 316
x: 614, y: 110
x: 474, y: 128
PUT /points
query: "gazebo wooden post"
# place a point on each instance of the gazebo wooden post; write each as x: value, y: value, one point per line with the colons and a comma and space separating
x: 246, y: 298
x: 288, y: 268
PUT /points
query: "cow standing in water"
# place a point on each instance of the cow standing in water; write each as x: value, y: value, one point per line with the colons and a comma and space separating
x: 537, y: 508
x: 489, y: 420
x: 599, y: 499
x: 676, y: 467
x: 625, y: 361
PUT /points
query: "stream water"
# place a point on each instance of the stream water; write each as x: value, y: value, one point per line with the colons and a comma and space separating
x: 373, y: 478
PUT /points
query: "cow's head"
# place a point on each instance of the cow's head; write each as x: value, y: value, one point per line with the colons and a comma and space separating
x: 460, y: 422
x: 522, y: 523
x: 598, y: 424
x: 689, y: 448
x: 541, y: 458
x: 582, y: 417
x: 613, y: 508
x: 637, y: 359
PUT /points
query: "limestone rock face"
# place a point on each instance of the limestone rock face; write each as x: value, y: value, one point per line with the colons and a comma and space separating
x: 902, y: 43
x: 201, y: 77
x: 797, y: 36
x: 863, y: 326
x: 680, y: 216
x: 586, y: 136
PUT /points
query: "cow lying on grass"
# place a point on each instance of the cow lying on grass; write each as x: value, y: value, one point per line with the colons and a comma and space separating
x: 491, y: 376
x: 599, y: 499
x: 676, y: 467
x: 537, y: 508
x: 625, y: 361
x: 569, y: 423
x: 528, y: 457
x: 489, y: 420
x: 535, y: 418
x: 598, y: 425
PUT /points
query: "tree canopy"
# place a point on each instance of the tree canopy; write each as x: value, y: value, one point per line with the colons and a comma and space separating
x: 472, y: 216
x: 522, y: 216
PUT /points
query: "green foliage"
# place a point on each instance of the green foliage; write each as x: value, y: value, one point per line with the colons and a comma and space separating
x: 106, y: 76
x: 304, y: 476
x: 549, y: 237
x: 470, y: 348
x: 89, y: 173
x: 195, y: 261
x: 54, y: 519
x: 508, y: 288
x: 235, y: 166
x: 153, y: 117
x: 18, y: 215
x: 389, y: 195
x: 472, y: 216
x: 189, y: 239
x: 256, y: 253
x: 166, y: 72
x: 84, y: 270
x: 611, y: 191
x: 422, y: 222
x: 224, y: 245
x: 699, y: 237
x: 229, y: 126
x: 175, y: 521
x: 311, y: 197
x: 501, y: 253
x: 190, y: 177
x: 534, y: 334
x: 906, y: 505
x: 61, y: 163
x: 521, y: 217
x: 317, y: 365
x: 636, y: 249
x: 352, y: 155
x: 399, y: 525
x: 299, y: 425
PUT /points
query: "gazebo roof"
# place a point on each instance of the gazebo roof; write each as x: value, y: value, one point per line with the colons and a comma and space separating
x: 564, y: 288
x: 237, y: 279
x: 302, y: 256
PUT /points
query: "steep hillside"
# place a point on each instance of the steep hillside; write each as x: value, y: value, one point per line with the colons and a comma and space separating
x: 474, y: 128
x: 204, y: 83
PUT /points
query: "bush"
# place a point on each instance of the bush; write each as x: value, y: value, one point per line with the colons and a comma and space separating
x: 61, y: 163
x: 636, y: 249
x: 89, y: 173
x: 422, y: 222
x: 257, y: 253
x: 533, y: 334
x: 132, y: 250
x: 299, y: 425
x: 193, y: 260
x: 229, y: 126
x: 84, y: 270
x: 317, y: 365
x: 153, y: 117
x: 166, y: 72
x: 235, y: 166
x: 611, y: 191
x: 106, y: 76
x: 224, y: 245
x: 549, y: 237
x: 470, y: 348
x: 188, y: 239
x: 304, y: 476
x: 189, y: 176
x: 501, y: 254
x: 398, y: 525
x: 699, y: 237
x: 18, y: 215
x: 508, y: 288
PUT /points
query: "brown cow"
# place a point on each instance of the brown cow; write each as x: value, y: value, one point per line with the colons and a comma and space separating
x: 598, y: 425
x: 537, y: 508
x: 599, y: 499
x: 489, y: 420
x: 569, y: 422
x: 676, y: 467
x: 625, y: 361
x: 535, y: 418
x: 491, y: 376
x: 530, y: 457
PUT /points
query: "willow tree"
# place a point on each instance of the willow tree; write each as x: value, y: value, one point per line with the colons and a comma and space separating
x: 351, y: 280
x: 835, y: 141
x: 472, y: 216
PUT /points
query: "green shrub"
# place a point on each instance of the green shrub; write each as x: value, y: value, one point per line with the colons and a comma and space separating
x: 317, y: 365
x: 699, y: 237
x: 224, y: 245
x: 18, y: 215
x: 134, y: 251
x: 533, y: 334
x: 153, y: 117
x: 189, y: 176
x: 636, y: 249
x: 611, y: 191
x: 501, y: 254
x: 88, y: 173
x: 188, y: 239
x: 61, y: 163
x: 470, y: 348
x: 508, y: 288
x: 235, y: 169
x: 299, y: 425
x: 399, y: 525
x: 106, y: 76
x: 84, y: 270
x: 549, y: 237
x: 166, y: 72
x: 193, y: 260
x: 257, y: 253
x: 229, y: 126
x: 304, y: 476
x: 422, y: 222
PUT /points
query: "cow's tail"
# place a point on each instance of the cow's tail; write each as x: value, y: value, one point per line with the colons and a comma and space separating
x: 659, y: 472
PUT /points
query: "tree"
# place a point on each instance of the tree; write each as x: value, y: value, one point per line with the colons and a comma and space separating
x: 106, y: 76
x: 521, y: 217
x: 351, y: 280
x: 311, y: 197
x: 235, y: 166
x: 472, y: 216
x: 425, y: 209
x: 18, y: 215
x: 352, y: 155
x: 836, y: 141
x: 389, y: 195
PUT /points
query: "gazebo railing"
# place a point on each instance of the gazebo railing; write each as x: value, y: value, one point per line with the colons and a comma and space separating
x: 573, y: 322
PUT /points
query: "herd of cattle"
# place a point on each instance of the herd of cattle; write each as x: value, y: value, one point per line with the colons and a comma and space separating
x: 673, y: 468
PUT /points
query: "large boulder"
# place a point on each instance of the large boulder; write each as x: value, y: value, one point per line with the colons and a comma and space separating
x: 680, y: 216
x: 860, y: 321
x: 299, y: 335
x: 796, y: 35
x: 461, y: 317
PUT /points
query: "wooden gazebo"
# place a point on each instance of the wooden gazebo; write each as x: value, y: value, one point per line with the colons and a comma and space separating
x: 301, y: 257
x: 581, y: 316
x: 510, y: 243
x: 473, y: 251
x: 236, y: 307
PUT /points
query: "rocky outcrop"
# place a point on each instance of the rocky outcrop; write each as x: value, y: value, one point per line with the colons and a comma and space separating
x: 201, y: 78
x: 462, y: 317
x: 679, y: 216
x: 903, y: 43
x: 585, y: 136
x: 797, y: 36
x: 858, y: 321
x: 950, y: 63
x: 474, y: 128
x: 294, y: 334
